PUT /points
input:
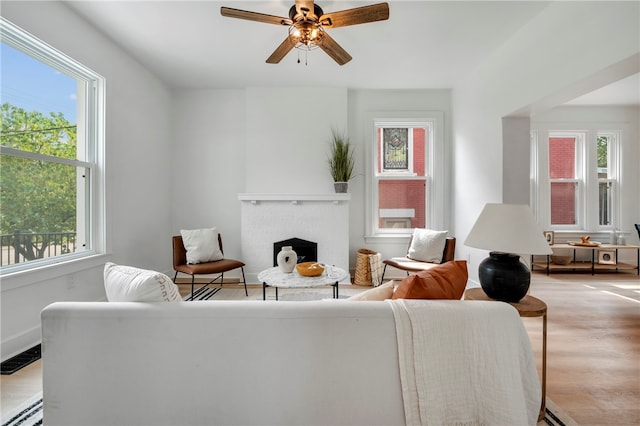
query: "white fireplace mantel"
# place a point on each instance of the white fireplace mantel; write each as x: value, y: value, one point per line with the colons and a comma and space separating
x: 268, y: 217
x: 293, y: 198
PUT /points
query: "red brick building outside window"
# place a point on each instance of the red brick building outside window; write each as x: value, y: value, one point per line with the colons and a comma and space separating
x: 562, y: 176
x: 402, y: 189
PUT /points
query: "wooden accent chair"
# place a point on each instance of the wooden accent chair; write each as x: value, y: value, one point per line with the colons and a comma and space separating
x: 410, y: 265
x: 216, y: 267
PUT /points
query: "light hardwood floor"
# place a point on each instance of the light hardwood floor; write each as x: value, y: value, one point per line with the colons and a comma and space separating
x: 593, y: 347
x: 593, y: 344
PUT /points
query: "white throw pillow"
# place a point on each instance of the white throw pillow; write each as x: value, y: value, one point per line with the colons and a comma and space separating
x: 201, y: 244
x: 128, y: 284
x: 427, y: 245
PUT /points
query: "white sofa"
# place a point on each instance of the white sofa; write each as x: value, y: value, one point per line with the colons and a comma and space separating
x: 255, y: 363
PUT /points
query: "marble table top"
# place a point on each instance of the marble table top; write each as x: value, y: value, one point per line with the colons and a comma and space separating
x: 274, y: 277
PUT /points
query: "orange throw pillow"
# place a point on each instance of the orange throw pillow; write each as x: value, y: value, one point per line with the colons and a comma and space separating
x: 446, y: 281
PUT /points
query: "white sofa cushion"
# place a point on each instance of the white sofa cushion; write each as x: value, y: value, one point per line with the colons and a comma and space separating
x: 129, y: 284
x: 201, y: 245
x: 427, y: 245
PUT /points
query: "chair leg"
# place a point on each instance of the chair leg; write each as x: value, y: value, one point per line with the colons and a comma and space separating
x: 193, y: 278
x: 244, y: 280
x: 221, y: 279
x: 175, y: 277
x: 384, y: 271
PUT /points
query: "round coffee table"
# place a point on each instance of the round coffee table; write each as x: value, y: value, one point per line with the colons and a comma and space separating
x: 274, y: 277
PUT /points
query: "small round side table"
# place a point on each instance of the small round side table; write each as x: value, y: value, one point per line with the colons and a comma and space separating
x: 528, y: 307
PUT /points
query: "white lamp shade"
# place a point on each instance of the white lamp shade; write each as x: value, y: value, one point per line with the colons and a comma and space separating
x: 508, y: 228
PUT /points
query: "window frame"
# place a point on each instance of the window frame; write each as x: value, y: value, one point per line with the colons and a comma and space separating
x: 613, y: 175
x: 578, y: 179
x: 435, y: 169
x: 90, y: 141
x: 586, y: 167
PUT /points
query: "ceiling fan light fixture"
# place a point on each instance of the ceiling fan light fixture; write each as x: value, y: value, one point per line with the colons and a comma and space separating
x: 306, y: 35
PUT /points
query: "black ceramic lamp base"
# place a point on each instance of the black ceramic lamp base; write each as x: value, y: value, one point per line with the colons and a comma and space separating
x: 503, y: 277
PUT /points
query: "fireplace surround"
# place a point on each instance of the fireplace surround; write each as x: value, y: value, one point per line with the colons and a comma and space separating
x: 269, y: 218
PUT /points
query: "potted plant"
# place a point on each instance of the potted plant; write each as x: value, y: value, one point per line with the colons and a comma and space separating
x: 340, y: 161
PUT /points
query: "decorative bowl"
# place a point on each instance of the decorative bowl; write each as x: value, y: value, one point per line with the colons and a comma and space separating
x: 559, y: 259
x: 310, y: 269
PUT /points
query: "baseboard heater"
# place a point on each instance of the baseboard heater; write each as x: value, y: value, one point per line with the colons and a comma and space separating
x: 21, y: 360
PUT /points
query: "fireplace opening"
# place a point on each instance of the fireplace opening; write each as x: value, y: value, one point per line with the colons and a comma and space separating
x: 307, y: 251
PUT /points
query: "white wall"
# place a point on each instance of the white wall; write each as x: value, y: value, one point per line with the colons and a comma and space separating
x: 550, y: 54
x: 256, y: 140
x: 207, y: 165
x: 288, y: 134
x: 138, y: 173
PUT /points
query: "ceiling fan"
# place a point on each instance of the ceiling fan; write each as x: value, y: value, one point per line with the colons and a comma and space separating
x: 307, y: 23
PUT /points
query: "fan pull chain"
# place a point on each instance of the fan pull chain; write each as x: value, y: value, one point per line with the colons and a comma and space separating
x: 305, y: 57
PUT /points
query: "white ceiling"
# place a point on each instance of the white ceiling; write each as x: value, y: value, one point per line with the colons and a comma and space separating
x: 424, y: 44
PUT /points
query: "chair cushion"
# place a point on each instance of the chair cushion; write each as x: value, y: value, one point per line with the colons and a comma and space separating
x: 427, y: 245
x: 446, y: 281
x: 382, y: 292
x: 129, y: 284
x: 201, y: 245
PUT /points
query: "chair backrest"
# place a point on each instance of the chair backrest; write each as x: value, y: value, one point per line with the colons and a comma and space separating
x: 449, y: 248
x: 180, y: 252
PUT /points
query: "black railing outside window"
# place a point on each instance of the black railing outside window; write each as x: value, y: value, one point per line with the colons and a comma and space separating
x: 22, y: 247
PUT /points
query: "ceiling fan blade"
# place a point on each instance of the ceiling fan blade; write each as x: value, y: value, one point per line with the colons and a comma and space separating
x: 359, y: 15
x: 254, y: 16
x: 280, y: 52
x: 333, y: 49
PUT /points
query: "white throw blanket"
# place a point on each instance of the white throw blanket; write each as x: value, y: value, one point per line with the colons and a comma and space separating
x: 487, y: 374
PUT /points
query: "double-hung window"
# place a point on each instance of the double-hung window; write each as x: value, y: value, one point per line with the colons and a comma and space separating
x: 51, y: 149
x: 403, y: 191
x: 566, y: 178
x: 579, y: 190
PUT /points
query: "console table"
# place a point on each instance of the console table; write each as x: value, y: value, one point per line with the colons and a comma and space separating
x: 593, y: 265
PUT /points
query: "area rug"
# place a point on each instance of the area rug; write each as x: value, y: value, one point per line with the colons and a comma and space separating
x: 203, y: 293
x: 27, y: 414
x: 554, y: 416
x: 30, y: 414
x: 285, y: 294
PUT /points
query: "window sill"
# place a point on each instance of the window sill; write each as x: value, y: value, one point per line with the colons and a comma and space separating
x: 33, y: 275
x: 388, y: 239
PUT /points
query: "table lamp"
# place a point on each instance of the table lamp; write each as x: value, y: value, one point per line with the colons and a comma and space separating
x: 506, y: 229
